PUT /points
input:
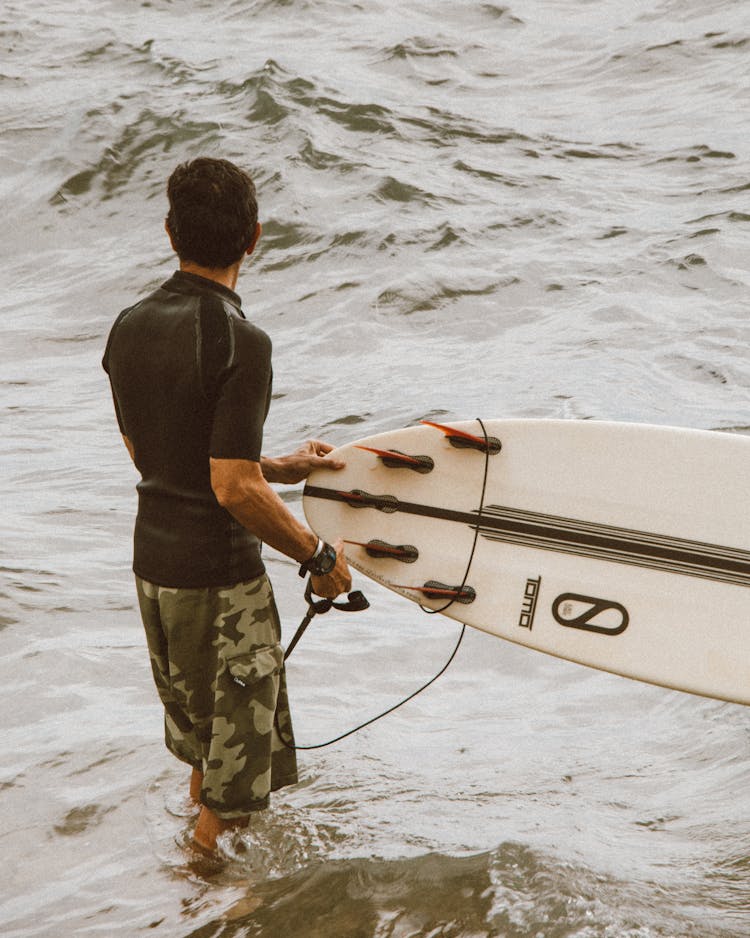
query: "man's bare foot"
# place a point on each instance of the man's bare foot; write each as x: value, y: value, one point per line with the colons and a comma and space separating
x: 209, y: 827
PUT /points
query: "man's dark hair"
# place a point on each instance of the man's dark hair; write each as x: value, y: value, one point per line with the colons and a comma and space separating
x: 212, y: 212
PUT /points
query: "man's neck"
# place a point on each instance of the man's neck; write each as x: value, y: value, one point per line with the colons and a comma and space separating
x: 226, y: 276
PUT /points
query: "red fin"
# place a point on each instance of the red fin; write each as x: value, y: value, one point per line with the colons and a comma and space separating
x: 389, y: 454
x: 451, y: 431
x: 432, y: 590
x: 383, y: 548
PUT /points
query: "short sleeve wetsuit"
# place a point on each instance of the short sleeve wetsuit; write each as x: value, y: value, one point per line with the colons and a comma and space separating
x: 191, y: 379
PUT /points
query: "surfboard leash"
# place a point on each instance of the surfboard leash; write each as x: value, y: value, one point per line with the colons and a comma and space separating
x: 379, y: 716
x: 356, y: 602
x: 488, y: 450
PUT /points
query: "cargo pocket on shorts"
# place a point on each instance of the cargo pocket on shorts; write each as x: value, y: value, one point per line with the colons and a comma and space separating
x: 257, y: 674
x: 255, y: 666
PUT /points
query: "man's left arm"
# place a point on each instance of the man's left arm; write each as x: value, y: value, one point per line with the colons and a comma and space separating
x: 128, y: 446
x: 297, y: 466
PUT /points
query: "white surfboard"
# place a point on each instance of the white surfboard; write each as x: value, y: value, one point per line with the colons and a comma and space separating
x: 624, y: 547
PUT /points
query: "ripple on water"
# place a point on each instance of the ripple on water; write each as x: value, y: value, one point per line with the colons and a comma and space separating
x: 503, y: 208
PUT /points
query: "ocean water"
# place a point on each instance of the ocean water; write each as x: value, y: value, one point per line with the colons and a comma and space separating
x: 538, y: 208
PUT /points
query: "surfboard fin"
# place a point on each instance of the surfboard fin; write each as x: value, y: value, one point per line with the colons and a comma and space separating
x: 463, y: 440
x: 394, y: 459
x: 407, y: 553
x: 433, y: 589
x: 359, y: 499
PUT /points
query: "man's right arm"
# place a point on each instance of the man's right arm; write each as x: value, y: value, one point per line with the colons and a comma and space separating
x: 240, y: 488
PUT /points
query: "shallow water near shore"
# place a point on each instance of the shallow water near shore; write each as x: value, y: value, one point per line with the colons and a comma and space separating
x: 522, y: 209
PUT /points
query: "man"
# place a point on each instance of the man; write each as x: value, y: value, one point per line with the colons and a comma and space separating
x: 191, y: 383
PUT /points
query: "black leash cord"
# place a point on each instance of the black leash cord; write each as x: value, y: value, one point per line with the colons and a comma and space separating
x: 379, y: 716
x: 312, y: 611
x: 477, y: 526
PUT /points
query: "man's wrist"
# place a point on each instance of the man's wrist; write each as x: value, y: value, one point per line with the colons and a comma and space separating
x: 318, y: 548
x: 321, y: 562
x: 269, y: 466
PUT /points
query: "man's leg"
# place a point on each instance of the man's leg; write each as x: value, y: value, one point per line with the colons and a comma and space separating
x: 245, y: 760
x: 158, y: 608
x: 220, y: 670
x: 196, y: 783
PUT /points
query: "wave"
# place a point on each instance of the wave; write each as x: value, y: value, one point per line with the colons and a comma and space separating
x: 512, y: 892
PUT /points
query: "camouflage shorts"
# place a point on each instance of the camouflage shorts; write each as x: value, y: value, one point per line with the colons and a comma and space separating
x: 219, y: 670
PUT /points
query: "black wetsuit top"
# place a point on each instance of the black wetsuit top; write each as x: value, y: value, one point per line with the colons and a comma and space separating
x: 191, y: 379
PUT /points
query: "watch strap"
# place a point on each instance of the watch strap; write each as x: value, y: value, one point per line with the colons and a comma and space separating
x: 311, y: 565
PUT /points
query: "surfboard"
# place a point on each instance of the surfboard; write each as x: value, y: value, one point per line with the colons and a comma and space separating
x: 624, y: 547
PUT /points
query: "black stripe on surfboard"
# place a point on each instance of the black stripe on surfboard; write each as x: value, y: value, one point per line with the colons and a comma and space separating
x: 582, y: 538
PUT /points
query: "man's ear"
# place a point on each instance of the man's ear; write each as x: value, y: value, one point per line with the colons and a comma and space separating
x: 256, y: 238
x: 169, y: 234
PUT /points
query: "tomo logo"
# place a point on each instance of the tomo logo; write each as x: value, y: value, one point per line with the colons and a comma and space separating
x: 590, y: 614
x: 528, y: 607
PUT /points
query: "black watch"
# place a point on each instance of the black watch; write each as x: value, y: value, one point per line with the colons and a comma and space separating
x: 321, y: 562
